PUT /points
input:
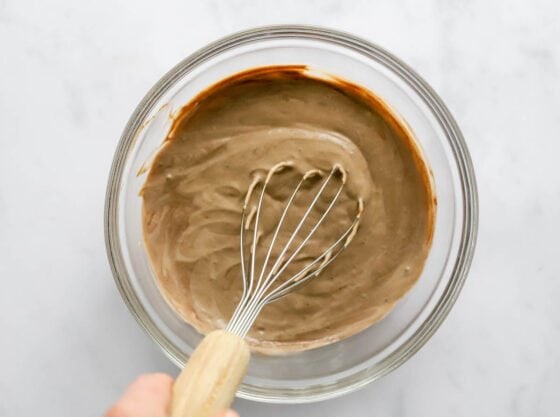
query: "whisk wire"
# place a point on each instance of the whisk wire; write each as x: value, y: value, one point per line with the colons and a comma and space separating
x: 253, y: 300
x: 256, y: 293
x: 277, y: 230
x: 281, y: 290
x: 291, y: 283
x: 274, y: 270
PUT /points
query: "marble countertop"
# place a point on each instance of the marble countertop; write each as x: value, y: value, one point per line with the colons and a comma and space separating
x: 71, y: 74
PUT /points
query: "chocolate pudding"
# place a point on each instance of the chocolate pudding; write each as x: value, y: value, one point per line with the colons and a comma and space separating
x: 240, y: 128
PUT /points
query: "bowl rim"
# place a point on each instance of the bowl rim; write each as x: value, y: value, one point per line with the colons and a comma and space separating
x: 446, y: 121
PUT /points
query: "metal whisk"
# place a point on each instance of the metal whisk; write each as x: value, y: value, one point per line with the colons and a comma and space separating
x: 216, y: 368
x: 258, y: 287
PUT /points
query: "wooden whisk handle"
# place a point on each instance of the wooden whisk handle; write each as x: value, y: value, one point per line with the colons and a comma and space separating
x: 211, y: 377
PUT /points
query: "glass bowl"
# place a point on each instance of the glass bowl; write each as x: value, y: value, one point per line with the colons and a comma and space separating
x: 349, y: 364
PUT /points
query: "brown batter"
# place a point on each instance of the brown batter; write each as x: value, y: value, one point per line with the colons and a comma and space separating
x: 240, y: 128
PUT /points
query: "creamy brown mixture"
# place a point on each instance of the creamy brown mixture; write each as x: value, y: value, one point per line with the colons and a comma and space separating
x: 240, y: 128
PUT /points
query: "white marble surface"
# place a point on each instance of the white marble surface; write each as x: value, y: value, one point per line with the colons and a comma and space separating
x: 71, y: 73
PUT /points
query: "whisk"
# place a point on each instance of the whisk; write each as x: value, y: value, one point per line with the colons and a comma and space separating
x: 212, y: 375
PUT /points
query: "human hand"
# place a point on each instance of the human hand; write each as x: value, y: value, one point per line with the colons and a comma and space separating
x: 149, y: 396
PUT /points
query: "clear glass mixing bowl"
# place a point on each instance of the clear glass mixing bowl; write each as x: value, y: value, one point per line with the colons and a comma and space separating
x: 347, y: 365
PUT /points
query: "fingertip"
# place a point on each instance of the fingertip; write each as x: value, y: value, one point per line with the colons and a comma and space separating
x: 163, y: 379
x: 227, y: 413
x: 158, y: 384
x: 155, y: 378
